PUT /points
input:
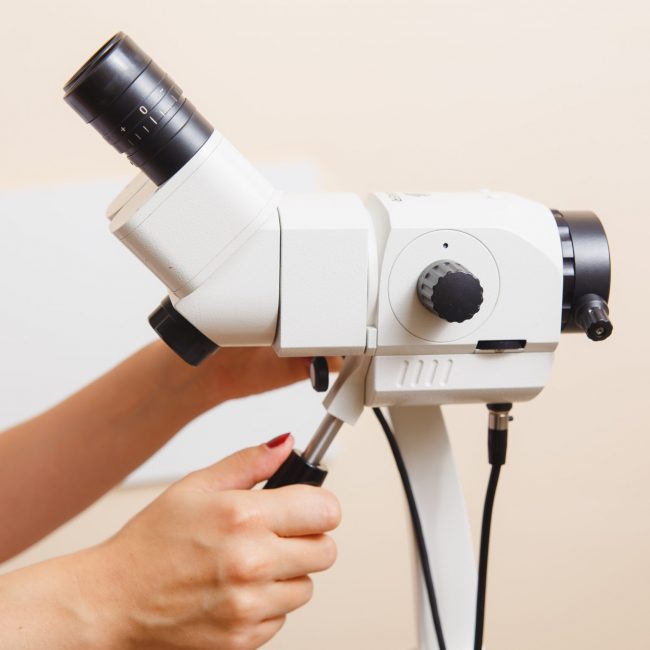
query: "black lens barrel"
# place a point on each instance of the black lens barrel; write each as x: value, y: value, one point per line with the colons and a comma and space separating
x: 138, y: 108
x: 587, y: 274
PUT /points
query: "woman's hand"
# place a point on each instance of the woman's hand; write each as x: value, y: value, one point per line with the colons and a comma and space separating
x: 211, y: 564
x: 58, y: 463
x: 237, y: 372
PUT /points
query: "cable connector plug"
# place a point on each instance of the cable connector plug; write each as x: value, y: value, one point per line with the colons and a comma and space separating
x: 499, y: 419
x: 498, y: 432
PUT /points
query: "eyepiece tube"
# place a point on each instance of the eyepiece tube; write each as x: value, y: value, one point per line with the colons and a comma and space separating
x: 138, y: 108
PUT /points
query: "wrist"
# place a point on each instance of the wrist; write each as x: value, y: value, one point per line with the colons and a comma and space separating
x: 181, y: 385
x: 58, y: 604
x: 102, y: 604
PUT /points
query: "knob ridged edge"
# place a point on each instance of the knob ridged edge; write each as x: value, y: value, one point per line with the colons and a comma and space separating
x: 436, y: 295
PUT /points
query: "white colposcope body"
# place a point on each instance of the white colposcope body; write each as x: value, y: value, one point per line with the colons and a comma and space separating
x: 329, y: 274
x: 374, y: 280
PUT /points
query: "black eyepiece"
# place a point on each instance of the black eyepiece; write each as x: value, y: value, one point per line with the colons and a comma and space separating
x: 138, y: 108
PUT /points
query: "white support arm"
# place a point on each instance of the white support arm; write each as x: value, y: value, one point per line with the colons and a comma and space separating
x: 423, y: 441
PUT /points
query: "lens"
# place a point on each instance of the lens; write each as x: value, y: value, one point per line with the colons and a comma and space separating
x: 587, y: 271
x: 138, y: 108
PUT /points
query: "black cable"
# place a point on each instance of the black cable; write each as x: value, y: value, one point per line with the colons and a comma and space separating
x: 417, y: 525
x: 497, y: 447
x: 483, y: 555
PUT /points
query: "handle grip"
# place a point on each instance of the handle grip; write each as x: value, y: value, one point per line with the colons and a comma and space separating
x: 296, y: 470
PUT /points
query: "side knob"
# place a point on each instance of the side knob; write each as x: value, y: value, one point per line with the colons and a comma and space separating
x: 449, y: 290
x: 592, y: 316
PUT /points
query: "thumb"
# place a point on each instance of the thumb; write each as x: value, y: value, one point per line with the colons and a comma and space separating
x: 244, y: 469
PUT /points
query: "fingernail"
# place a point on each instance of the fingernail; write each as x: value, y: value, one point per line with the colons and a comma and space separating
x: 279, y: 440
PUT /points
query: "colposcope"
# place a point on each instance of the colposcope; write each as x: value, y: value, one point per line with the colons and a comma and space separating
x: 432, y: 298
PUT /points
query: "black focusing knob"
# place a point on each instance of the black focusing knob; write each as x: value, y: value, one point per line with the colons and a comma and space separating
x: 449, y: 290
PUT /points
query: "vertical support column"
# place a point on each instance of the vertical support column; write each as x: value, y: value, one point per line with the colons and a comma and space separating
x: 422, y: 437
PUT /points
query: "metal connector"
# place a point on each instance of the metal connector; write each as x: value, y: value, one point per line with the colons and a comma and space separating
x: 498, y: 420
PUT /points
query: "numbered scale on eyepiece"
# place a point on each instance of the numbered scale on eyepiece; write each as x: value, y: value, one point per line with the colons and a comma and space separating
x: 138, y: 108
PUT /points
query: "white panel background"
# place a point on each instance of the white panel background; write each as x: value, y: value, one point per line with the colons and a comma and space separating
x: 75, y: 302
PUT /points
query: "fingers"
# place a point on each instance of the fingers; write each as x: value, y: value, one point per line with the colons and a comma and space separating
x: 246, y: 468
x: 267, y: 601
x: 333, y: 363
x: 261, y: 633
x: 300, y: 556
x: 270, y: 558
x: 285, y: 596
x: 253, y: 613
x: 297, y: 510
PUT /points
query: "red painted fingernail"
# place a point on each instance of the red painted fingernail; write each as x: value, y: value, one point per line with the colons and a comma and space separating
x: 279, y: 440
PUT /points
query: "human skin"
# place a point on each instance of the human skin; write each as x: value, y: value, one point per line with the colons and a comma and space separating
x: 182, y: 556
x: 58, y: 463
x: 209, y: 564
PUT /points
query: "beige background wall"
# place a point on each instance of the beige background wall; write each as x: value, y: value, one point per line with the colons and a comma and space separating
x: 547, y: 99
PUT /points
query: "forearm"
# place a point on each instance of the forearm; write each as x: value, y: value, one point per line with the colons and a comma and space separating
x: 48, y: 606
x: 58, y: 463
x: 208, y: 564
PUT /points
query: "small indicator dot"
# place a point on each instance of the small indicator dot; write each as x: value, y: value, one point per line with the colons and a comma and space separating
x: 445, y: 245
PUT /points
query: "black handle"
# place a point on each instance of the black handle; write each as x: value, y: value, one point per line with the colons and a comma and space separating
x: 296, y: 470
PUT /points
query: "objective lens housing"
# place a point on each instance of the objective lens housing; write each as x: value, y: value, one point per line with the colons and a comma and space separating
x: 587, y: 274
x: 138, y: 108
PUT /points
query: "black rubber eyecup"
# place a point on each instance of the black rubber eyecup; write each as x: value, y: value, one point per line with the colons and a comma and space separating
x: 137, y: 108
